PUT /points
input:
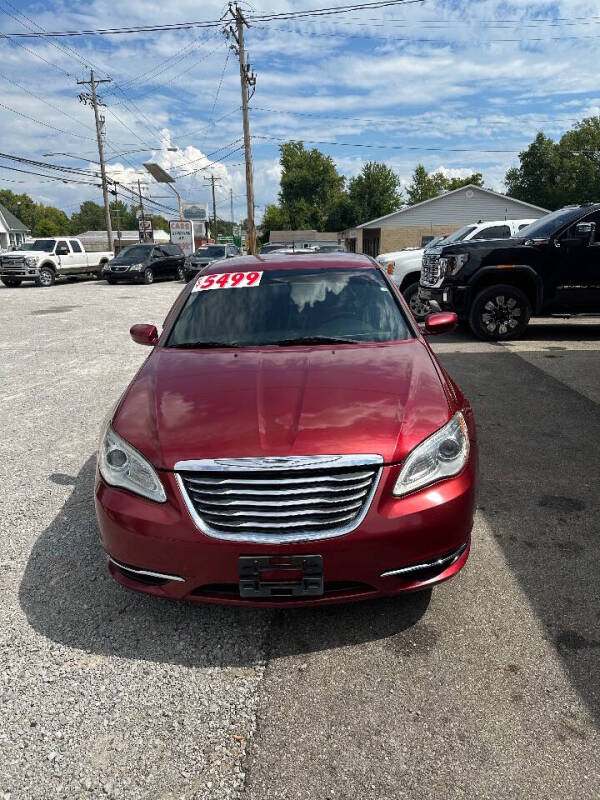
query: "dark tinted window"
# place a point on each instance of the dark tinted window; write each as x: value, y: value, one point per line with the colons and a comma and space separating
x: 292, y: 304
x: 75, y: 246
x: 136, y: 251
x: 550, y: 224
x: 173, y: 249
x: 495, y: 232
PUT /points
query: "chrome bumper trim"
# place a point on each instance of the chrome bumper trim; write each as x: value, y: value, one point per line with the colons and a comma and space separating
x: 147, y: 572
x: 446, y: 561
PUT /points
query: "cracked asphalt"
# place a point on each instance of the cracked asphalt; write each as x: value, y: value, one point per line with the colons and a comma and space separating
x: 487, y: 688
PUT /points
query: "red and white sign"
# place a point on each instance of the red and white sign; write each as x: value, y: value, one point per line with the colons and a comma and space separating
x: 227, y: 280
x: 182, y: 233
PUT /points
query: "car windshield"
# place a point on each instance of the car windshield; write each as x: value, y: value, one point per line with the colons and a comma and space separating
x: 459, y: 235
x: 212, y: 251
x: 47, y: 245
x: 292, y: 306
x: 135, y: 251
x: 434, y: 242
x: 545, y: 226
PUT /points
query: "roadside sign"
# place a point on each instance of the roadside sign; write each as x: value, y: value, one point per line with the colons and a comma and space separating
x: 182, y: 233
x: 146, y: 232
x: 195, y: 211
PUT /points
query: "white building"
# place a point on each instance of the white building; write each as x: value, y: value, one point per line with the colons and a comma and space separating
x: 12, y: 230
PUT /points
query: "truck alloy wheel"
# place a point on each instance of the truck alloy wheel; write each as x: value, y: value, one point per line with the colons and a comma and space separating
x: 12, y: 283
x: 45, y: 278
x: 148, y: 275
x: 500, y: 312
x: 180, y: 274
x: 420, y: 308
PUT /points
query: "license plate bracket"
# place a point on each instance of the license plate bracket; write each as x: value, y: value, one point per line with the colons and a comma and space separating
x: 307, y: 572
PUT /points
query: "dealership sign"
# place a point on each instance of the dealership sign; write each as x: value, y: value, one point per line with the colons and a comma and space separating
x: 182, y: 233
x: 196, y: 211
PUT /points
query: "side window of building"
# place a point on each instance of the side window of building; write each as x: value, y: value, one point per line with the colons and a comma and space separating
x: 495, y: 232
x: 75, y: 246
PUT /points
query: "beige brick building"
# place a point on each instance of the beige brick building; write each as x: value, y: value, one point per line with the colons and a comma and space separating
x: 414, y: 225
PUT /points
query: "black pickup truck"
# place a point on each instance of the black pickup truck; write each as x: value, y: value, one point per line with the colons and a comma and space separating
x: 553, y: 266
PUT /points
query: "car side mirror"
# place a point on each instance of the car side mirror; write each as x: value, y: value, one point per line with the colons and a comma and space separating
x: 585, y: 229
x: 441, y: 322
x: 144, y: 334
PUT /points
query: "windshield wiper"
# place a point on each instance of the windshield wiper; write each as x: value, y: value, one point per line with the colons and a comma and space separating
x: 314, y: 340
x: 203, y: 345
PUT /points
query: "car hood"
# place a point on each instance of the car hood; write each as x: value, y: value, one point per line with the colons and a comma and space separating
x: 205, y: 259
x: 127, y: 261
x: 192, y: 404
x: 477, y: 245
x: 24, y: 253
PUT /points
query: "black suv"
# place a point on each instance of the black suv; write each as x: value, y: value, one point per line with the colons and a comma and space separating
x: 553, y: 266
x: 205, y: 255
x: 145, y: 263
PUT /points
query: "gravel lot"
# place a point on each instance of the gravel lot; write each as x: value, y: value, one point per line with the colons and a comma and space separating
x: 489, y: 688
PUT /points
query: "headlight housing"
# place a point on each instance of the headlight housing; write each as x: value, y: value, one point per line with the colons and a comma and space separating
x: 120, y: 464
x: 452, y: 264
x: 136, y: 267
x: 31, y: 261
x: 441, y: 455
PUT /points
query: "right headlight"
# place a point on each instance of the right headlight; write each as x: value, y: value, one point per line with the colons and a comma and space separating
x: 441, y: 455
x: 122, y: 465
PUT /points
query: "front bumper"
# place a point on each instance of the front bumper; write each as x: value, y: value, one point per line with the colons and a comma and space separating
x: 448, y: 298
x: 428, y: 531
x: 23, y: 273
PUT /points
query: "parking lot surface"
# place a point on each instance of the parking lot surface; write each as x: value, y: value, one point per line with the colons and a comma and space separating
x: 487, y: 688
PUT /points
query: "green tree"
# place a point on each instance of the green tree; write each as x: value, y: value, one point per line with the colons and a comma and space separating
x: 32, y: 214
x: 309, y: 185
x: 375, y: 192
x: 423, y: 186
x: 46, y: 227
x: 274, y: 219
x: 90, y: 217
x: 450, y: 184
x: 538, y: 179
x: 49, y: 217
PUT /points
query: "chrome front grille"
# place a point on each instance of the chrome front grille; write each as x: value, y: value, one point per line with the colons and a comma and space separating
x: 279, y: 499
x: 431, y: 271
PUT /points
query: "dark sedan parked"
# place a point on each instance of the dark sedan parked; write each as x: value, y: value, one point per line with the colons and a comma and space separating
x: 146, y: 263
x: 205, y: 255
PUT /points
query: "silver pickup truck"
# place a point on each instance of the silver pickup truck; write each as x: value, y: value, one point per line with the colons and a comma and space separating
x: 45, y: 260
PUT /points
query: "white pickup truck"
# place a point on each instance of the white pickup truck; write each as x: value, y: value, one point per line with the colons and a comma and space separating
x: 405, y: 265
x: 45, y: 260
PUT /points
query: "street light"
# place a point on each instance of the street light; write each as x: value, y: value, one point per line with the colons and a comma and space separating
x: 162, y: 176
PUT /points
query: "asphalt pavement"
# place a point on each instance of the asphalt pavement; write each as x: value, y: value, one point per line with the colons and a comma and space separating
x: 489, y: 687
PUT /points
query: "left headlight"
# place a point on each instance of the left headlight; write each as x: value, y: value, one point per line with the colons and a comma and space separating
x: 441, y: 455
x: 120, y: 464
x: 31, y: 261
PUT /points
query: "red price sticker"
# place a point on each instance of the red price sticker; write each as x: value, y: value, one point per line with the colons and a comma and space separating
x: 227, y: 280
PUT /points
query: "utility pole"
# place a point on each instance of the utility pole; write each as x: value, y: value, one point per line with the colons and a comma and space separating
x: 143, y: 236
x: 85, y: 98
x: 247, y: 79
x: 231, y: 209
x: 214, y: 180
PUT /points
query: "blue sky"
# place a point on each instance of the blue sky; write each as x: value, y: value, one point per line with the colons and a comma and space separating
x: 442, y: 82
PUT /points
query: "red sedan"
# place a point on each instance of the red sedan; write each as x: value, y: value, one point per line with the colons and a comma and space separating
x: 291, y: 439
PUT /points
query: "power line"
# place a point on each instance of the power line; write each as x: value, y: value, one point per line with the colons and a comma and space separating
x: 177, y: 26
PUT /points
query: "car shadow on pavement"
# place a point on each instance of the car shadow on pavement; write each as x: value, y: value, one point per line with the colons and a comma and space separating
x: 540, y: 495
x: 69, y: 597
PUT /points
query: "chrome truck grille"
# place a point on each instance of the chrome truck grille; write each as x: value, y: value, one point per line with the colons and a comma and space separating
x: 279, y: 499
x: 431, y: 271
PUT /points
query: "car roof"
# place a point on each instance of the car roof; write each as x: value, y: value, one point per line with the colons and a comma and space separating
x: 279, y: 261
